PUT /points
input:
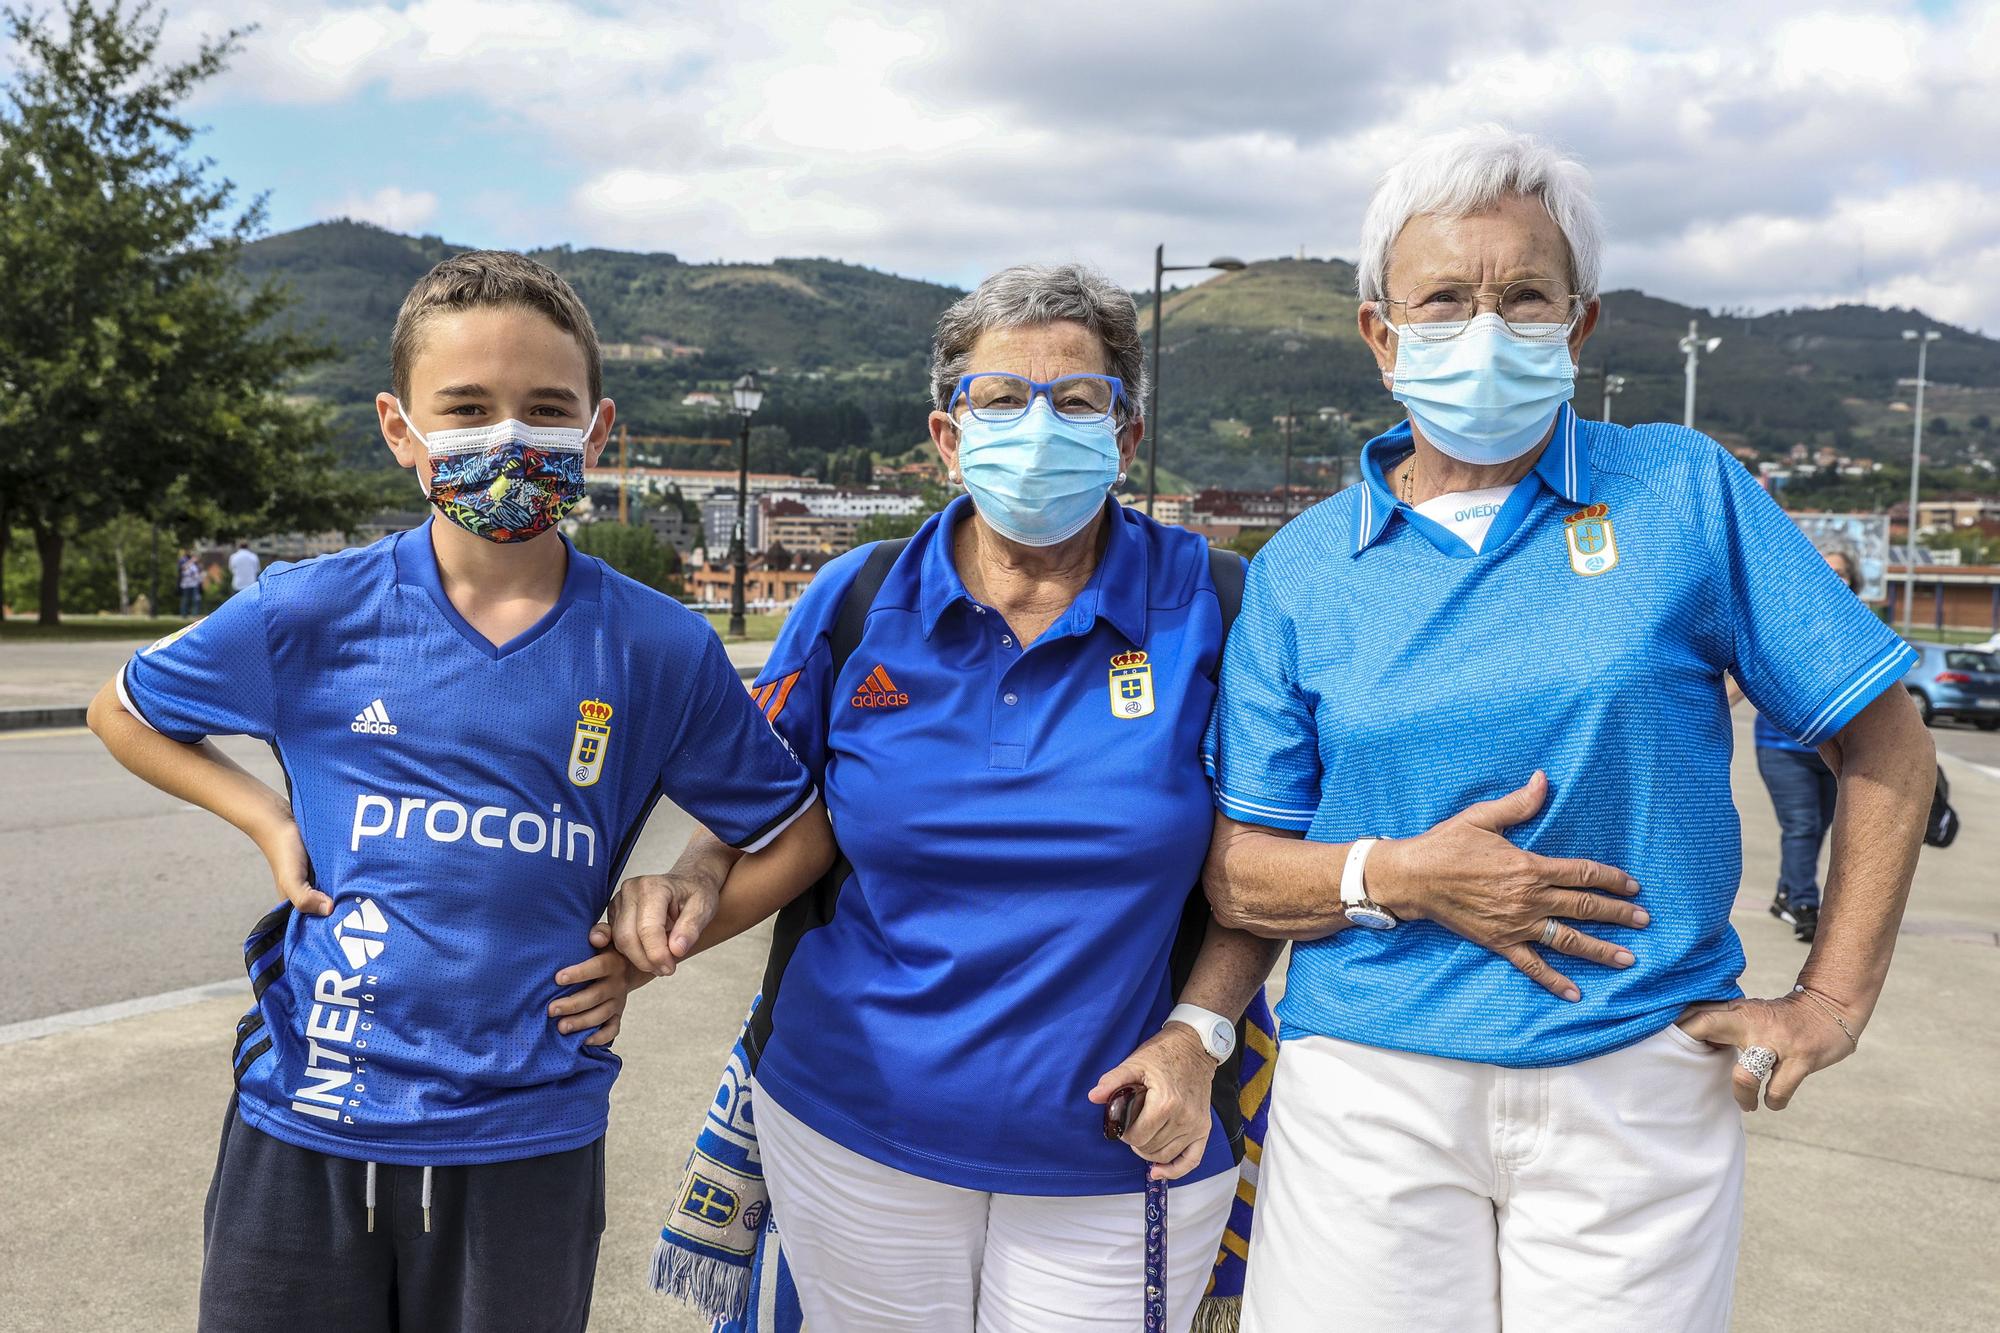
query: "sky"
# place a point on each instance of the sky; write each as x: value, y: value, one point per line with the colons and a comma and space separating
x: 1747, y: 155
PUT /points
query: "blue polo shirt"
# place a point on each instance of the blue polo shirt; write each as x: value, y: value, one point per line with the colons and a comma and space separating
x: 1025, y: 823
x: 1382, y: 677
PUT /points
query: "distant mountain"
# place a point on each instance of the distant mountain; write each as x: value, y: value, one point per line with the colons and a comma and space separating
x: 1243, y: 347
x: 849, y: 344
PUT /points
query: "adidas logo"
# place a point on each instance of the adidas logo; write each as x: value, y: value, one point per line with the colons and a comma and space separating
x: 360, y: 933
x: 878, y: 691
x: 373, y: 719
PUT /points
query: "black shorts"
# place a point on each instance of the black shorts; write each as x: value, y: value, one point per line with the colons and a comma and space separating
x: 287, y: 1249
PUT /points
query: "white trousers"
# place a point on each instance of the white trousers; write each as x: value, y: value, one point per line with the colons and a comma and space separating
x: 1403, y: 1191
x: 877, y: 1250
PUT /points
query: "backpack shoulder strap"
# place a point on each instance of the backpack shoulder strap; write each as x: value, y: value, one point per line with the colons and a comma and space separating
x: 859, y: 600
x: 814, y: 908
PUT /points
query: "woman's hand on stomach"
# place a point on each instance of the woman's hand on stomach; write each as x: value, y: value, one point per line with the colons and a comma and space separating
x: 1171, y: 1130
x: 1466, y: 876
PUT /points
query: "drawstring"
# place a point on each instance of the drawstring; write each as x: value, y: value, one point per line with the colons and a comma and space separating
x: 371, y: 1197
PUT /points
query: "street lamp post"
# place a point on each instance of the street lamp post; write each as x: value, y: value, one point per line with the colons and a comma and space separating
x: 1613, y: 385
x: 1694, y: 345
x: 1160, y: 269
x: 748, y: 398
x: 1923, y: 341
x: 1290, y: 417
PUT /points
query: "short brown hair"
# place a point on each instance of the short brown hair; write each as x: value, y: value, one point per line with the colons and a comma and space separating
x: 484, y: 279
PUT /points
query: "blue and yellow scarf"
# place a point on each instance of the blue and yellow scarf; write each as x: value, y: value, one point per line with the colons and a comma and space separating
x: 720, y: 1252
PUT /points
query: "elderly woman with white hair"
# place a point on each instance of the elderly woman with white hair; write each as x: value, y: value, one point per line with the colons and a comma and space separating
x: 1531, y: 615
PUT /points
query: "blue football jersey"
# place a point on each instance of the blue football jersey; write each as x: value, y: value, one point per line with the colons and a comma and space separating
x: 468, y: 808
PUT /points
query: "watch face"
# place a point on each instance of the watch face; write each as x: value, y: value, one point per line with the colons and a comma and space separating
x: 1222, y: 1039
x: 1370, y: 917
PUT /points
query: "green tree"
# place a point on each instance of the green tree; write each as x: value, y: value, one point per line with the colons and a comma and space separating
x: 139, y: 374
x: 633, y: 551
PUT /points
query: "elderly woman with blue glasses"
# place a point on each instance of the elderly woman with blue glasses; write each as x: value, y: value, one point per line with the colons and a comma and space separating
x: 1006, y: 716
x: 1471, y: 1138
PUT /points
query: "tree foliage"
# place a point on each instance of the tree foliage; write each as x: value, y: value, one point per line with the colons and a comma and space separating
x: 139, y: 373
x: 634, y: 551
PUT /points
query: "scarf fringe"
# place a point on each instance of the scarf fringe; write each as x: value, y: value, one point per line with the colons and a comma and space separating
x: 1218, y: 1314
x: 712, y: 1288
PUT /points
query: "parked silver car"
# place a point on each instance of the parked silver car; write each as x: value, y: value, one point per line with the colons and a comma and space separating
x: 1952, y: 680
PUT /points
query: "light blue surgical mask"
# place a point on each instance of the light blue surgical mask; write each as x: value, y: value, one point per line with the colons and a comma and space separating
x: 1040, y: 478
x: 1488, y: 395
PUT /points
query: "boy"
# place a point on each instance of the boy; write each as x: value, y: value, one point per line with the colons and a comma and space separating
x: 474, y: 721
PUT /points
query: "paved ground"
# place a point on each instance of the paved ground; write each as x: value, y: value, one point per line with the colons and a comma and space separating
x: 1874, y: 1203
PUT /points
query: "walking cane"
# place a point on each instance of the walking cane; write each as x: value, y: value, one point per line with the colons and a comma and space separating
x: 1119, y: 1113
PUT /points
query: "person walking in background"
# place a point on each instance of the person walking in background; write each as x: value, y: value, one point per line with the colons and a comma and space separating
x: 190, y: 584
x: 244, y: 567
x: 1802, y: 790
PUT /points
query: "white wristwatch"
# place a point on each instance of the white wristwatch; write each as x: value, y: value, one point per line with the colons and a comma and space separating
x: 1360, y: 909
x: 1218, y: 1034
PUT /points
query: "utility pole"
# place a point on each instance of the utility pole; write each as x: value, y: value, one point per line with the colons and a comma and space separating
x: 1923, y: 341
x: 1289, y: 418
x: 1694, y: 345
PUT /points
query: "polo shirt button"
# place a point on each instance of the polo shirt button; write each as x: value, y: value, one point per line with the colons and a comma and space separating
x: 1006, y: 641
x: 1010, y: 698
x: 977, y: 608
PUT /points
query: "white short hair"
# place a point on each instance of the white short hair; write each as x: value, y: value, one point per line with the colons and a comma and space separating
x: 1469, y: 171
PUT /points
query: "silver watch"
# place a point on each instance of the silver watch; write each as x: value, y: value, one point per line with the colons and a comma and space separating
x: 1360, y: 909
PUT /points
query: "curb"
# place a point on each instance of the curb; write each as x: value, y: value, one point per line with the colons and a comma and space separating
x: 24, y: 719
x: 31, y: 719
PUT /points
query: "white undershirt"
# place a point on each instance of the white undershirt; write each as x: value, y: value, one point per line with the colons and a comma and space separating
x: 1469, y: 514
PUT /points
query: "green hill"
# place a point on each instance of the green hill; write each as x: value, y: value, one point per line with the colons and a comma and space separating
x: 848, y: 346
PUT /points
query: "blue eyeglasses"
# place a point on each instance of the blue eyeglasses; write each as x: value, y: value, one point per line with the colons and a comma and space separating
x: 994, y: 397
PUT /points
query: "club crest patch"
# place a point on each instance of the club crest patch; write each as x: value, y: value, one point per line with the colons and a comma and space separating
x: 1131, y: 685
x: 593, y: 733
x: 1593, y: 547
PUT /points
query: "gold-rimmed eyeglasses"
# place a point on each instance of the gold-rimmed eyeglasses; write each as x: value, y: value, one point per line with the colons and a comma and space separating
x: 1529, y: 307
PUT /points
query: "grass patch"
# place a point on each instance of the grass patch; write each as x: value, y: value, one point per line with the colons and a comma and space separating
x: 762, y: 628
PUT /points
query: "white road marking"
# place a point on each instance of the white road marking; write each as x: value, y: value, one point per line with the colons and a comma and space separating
x: 49, y: 1026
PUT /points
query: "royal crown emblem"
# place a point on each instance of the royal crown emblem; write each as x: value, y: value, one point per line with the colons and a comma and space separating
x: 1131, y: 685
x: 593, y: 733
x: 1593, y: 550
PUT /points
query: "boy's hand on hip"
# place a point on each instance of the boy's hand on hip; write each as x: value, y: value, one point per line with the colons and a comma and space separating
x: 291, y: 869
x: 606, y: 980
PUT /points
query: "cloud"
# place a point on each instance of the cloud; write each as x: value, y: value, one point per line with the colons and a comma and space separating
x: 396, y: 209
x: 1796, y: 151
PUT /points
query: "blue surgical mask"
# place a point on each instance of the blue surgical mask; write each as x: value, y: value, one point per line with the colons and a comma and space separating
x: 1040, y: 478
x: 1487, y: 396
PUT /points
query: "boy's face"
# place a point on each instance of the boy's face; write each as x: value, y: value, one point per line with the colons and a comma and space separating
x: 478, y: 367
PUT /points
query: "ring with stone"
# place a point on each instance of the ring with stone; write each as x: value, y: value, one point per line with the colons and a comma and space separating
x: 1549, y: 929
x: 1759, y: 1060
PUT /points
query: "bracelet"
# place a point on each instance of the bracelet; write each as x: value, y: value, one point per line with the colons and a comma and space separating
x: 1827, y: 1006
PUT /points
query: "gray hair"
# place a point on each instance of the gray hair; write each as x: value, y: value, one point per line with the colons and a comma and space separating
x: 1831, y: 545
x: 1043, y: 294
x: 1469, y: 171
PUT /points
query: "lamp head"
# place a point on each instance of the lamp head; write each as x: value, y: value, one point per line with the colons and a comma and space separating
x: 745, y: 393
x: 1226, y: 264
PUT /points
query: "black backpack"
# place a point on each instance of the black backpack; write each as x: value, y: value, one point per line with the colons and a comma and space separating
x: 814, y: 908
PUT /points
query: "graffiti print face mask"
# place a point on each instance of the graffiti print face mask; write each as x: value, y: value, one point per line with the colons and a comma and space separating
x: 505, y: 482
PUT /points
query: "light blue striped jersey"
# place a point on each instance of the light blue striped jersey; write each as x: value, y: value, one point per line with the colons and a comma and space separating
x: 1382, y: 677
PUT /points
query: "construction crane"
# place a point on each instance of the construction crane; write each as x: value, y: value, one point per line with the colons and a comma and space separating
x: 624, y: 439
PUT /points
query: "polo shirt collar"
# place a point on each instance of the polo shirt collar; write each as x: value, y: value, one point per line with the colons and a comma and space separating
x: 1564, y: 467
x: 1116, y: 592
